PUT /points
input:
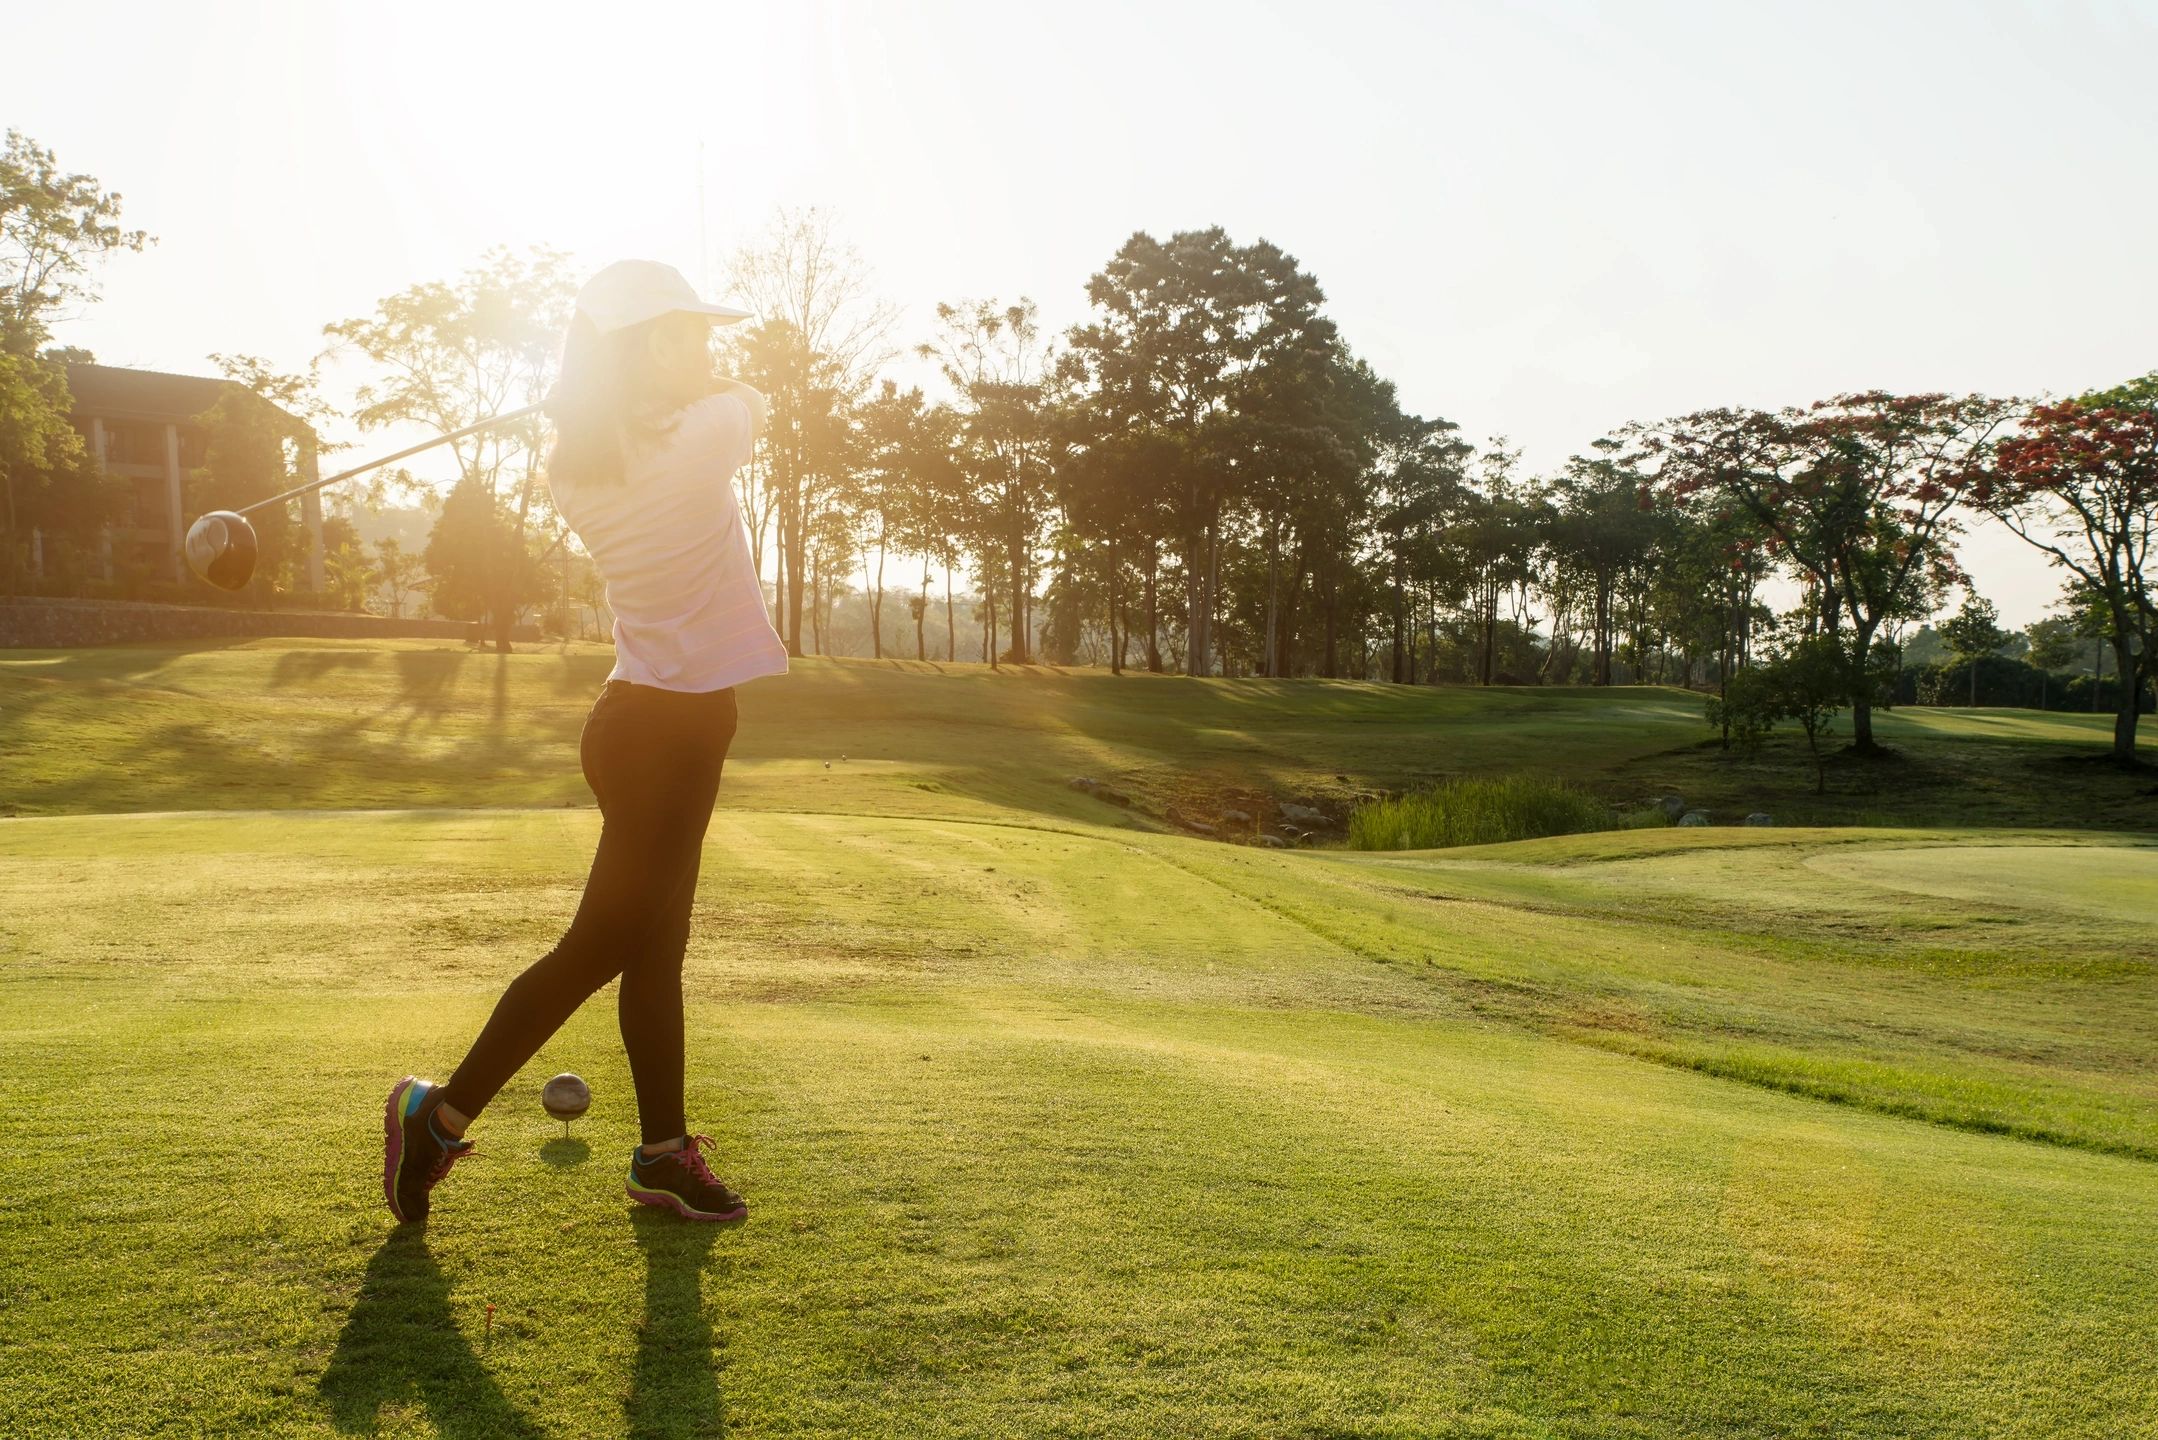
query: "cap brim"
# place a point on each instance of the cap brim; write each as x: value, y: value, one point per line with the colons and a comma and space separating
x: 720, y: 314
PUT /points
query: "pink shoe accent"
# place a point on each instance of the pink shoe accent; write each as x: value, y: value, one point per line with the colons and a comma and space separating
x: 393, y: 1143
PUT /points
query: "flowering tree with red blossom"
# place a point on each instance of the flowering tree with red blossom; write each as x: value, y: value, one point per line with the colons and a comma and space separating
x: 2079, y: 481
x: 1858, y: 493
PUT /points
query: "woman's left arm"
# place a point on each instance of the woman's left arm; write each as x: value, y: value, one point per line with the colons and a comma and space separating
x: 758, y: 410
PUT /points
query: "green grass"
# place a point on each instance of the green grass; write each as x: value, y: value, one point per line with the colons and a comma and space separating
x: 1055, y: 1124
x: 1484, y: 812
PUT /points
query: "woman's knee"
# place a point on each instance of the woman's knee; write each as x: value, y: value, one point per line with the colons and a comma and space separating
x: 571, y: 971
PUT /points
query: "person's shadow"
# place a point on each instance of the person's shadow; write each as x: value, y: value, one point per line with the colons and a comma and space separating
x: 401, y: 1341
x: 675, y: 1390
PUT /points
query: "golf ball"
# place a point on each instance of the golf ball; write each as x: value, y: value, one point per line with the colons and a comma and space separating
x: 566, y: 1096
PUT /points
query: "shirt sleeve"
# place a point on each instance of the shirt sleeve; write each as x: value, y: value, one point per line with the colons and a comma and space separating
x: 727, y: 421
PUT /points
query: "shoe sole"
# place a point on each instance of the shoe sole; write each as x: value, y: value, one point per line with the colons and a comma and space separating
x: 393, y: 1143
x: 667, y: 1200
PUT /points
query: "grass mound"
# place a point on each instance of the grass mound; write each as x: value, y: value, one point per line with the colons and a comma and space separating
x: 1482, y: 812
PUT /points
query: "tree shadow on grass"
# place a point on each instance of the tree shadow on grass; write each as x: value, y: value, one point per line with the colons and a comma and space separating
x: 675, y: 1390
x: 302, y: 667
x: 401, y: 1345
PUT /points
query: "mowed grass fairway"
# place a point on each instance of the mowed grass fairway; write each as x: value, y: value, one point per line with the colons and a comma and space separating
x: 1053, y: 1122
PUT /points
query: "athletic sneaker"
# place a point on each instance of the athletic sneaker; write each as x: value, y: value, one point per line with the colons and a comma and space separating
x: 415, y: 1153
x: 683, y: 1183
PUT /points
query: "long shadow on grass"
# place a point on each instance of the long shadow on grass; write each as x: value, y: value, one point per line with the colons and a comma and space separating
x: 401, y: 1343
x: 675, y: 1390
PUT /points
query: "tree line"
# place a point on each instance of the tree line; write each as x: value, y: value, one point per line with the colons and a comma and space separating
x: 1203, y: 476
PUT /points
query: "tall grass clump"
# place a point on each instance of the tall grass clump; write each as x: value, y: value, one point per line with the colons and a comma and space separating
x: 1480, y: 812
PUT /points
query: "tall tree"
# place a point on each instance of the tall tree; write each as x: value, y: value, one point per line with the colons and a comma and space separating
x: 1421, y: 488
x: 54, y: 227
x: 2079, y: 482
x: 1111, y: 503
x: 821, y: 334
x: 902, y: 484
x: 1310, y: 428
x: 1496, y: 539
x: 1601, y: 531
x: 396, y: 571
x: 1178, y: 329
x: 449, y: 354
x: 48, y: 481
x: 1859, y: 493
x: 474, y: 557
x: 253, y: 448
x: 1973, y: 633
x: 2054, y: 646
x: 999, y: 366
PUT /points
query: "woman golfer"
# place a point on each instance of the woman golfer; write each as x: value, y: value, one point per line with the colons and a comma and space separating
x: 647, y: 441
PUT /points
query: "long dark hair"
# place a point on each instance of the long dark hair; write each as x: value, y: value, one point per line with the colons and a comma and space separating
x: 602, y: 406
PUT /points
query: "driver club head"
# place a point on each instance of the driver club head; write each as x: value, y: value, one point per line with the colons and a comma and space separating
x: 221, y: 549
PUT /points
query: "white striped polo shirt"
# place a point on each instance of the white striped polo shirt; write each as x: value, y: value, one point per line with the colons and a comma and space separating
x: 670, y: 543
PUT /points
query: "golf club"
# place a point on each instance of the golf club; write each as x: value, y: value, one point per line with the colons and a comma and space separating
x: 221, y: 546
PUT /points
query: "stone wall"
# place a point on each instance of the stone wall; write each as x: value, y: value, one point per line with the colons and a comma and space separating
x: 36, y: 624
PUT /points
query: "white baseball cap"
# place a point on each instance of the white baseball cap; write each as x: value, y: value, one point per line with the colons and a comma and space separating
x: 630, y: 292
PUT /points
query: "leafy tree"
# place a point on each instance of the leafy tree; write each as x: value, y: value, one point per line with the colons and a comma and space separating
x: 47, y: 479
x: 346, y: 572
x: 1420, y: 488
x: 262, y: 440
x: 1810, y: 679
x: 2054, y: 646
x: 833, y: 544
x: 397, y: 572
x: 1973, y: 633
x: 449, y: 354
x: 820, y: 336
x: 1000, y: 367
x: 1746, y: 708
x: 253, y: 449
x: 1601, y: 530
x: 475, y: 556
x: 1179, y: 329
x: 2079, y: 482
x: 54, y: 226
x: 1496, y: 540
x: 1805, y: 681
x: 900, y: 485
x: 1859, y: 493
x: 1107, y: 494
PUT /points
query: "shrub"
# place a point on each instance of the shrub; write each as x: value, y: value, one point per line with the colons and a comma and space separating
x: 1481, y: 812
x: 1747, y: 710
x: 1804, y: 681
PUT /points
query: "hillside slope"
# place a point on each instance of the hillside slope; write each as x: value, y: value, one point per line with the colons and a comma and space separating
x: 283, y: 723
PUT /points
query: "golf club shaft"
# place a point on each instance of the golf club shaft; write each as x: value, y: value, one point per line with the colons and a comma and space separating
x: 488, y: 424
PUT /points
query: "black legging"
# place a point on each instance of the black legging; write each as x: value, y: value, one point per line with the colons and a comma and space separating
x: 653, y: 758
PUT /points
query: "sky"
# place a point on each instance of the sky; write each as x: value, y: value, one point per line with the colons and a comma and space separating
x: 1541, y: 220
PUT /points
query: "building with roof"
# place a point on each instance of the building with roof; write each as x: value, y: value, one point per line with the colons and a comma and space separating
x: 145, y: 427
